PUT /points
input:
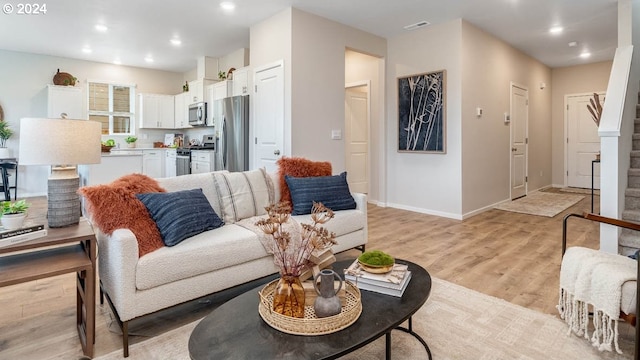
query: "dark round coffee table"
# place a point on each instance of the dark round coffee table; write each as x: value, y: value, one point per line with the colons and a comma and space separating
x: 235, y: 330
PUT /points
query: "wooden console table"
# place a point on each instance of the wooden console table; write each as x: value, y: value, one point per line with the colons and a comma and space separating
x: 64, y: 250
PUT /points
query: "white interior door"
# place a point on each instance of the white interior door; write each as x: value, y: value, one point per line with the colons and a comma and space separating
x: 356, y: 105
x: 582, y: 142
x: 519, y: 123
x: 268, y: 115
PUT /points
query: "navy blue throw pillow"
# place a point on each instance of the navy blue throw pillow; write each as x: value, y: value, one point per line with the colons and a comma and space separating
x: 332, y: 191
x: 180, y: 214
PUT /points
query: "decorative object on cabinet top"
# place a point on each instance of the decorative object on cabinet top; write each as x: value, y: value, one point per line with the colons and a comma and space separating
x: 230, y: 73
x: 222, y: 75
x: 1, y: 114
x: 63, y: 78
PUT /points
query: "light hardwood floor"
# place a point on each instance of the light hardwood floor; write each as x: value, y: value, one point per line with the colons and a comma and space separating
x: 511, y: 256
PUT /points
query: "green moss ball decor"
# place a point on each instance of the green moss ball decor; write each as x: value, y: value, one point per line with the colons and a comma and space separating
x: 376, y: 258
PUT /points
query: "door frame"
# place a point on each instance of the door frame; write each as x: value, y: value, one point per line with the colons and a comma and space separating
x: 565, y: 132
x: 513, y: 84
x: 367, y: 84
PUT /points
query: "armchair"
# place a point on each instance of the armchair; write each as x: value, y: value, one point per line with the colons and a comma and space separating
x: 631, y: 317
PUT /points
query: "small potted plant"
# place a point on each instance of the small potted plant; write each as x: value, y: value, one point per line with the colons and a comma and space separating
x: 13, y: 214
x: 5, y: 134
x: 131, y: 141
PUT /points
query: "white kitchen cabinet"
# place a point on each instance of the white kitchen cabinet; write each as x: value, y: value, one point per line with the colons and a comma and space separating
x: 181, y: 111
x: 222, y: 89
x: 170, y: 162
x: 112, y: 166
x: 215, y: 93
x: 156, y: 111
x: 197, y: 90
x: 152, y: 163
x: 241, y: 85
x: 202, y: 161
x: 65, y: 99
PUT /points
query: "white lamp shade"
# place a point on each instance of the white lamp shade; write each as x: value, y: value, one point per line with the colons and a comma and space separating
x: 59, y: 141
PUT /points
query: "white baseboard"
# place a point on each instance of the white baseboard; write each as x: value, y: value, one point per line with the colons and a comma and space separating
x: 426, y: 211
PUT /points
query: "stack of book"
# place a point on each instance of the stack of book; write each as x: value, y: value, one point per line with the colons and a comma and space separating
x: 392, y: 283
x: 26, y: 233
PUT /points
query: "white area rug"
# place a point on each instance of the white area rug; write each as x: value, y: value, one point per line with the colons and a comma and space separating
x: 457, y: 323
x: 541, y: 203
x: 579, y: 191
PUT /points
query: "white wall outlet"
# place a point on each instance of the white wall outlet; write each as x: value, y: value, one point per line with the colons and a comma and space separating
x: 336, y: 134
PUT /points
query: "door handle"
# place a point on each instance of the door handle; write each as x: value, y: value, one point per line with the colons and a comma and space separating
x: 276, y: 152
x: 514, y: 149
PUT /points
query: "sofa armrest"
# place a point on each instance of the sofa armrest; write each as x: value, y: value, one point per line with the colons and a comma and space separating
x: 361, y: 201
x: 118, y: 259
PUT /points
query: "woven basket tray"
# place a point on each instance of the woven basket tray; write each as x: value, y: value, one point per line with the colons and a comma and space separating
x: 310, y: 324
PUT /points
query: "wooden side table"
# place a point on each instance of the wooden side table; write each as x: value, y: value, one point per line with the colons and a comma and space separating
x: 64, y: 250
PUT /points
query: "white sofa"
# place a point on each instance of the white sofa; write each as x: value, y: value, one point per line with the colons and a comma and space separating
x: 200, y: 265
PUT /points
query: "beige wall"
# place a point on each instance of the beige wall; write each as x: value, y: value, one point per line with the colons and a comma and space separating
x: 270, y: 42
x: 313, y: 51
x: 317, y: 83
x: 581, y: 79
x: 489, y: 66
x: 361, y: 67
x: 428, y: 183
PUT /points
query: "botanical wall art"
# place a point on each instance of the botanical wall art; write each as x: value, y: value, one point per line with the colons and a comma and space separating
x: 421, y: 113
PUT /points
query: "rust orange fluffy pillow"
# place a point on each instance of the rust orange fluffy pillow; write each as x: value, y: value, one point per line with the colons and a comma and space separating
x: 299, y: 167
x: 115, y: 206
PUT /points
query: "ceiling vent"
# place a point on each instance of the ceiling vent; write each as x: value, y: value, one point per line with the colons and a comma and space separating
x: 417, y: 25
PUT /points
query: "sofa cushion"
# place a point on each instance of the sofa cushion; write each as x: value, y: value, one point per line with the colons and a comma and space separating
x: 343, y: 222
x: 299, y: 167
x: 243, y: 194
x: 180, y: 214
x: 332, y: 191
x: 202, y: 181
x: 209, y: 251
x: 115, y: 206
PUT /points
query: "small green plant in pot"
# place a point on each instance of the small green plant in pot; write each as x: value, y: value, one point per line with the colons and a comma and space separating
x: 131, y: 141
x: 13, y: 214
x: 5, y: 134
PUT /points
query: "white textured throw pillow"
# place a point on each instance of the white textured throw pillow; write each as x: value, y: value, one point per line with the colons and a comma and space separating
x: 243, y: 194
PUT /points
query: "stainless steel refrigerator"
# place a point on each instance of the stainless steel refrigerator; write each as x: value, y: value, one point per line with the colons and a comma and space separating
x: 232, y: 134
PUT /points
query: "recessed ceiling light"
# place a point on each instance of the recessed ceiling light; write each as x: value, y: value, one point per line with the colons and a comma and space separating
x: 86, y: 50
x: 148, y: 59
x: 101, y: 27
x: 573, y: 44
x: 585, y: 55
x: 175, y: 42
x: 556, y: 30
x: 227, y: 5
x: 417, y: 25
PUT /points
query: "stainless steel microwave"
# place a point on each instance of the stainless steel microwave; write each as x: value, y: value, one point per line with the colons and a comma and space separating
x: 198, y: 114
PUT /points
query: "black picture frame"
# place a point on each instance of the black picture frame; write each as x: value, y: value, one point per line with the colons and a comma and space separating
x: 422, y: 113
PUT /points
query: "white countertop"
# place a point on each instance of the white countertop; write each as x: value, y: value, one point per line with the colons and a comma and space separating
x: 123, y: 154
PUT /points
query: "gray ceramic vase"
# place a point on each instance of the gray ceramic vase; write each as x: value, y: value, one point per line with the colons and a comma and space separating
x: 327, y: 303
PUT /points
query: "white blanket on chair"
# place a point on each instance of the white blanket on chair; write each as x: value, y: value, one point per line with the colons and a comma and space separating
x: 593, y: 278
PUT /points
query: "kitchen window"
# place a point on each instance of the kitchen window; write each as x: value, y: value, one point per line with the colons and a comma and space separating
x: 113, y: 105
